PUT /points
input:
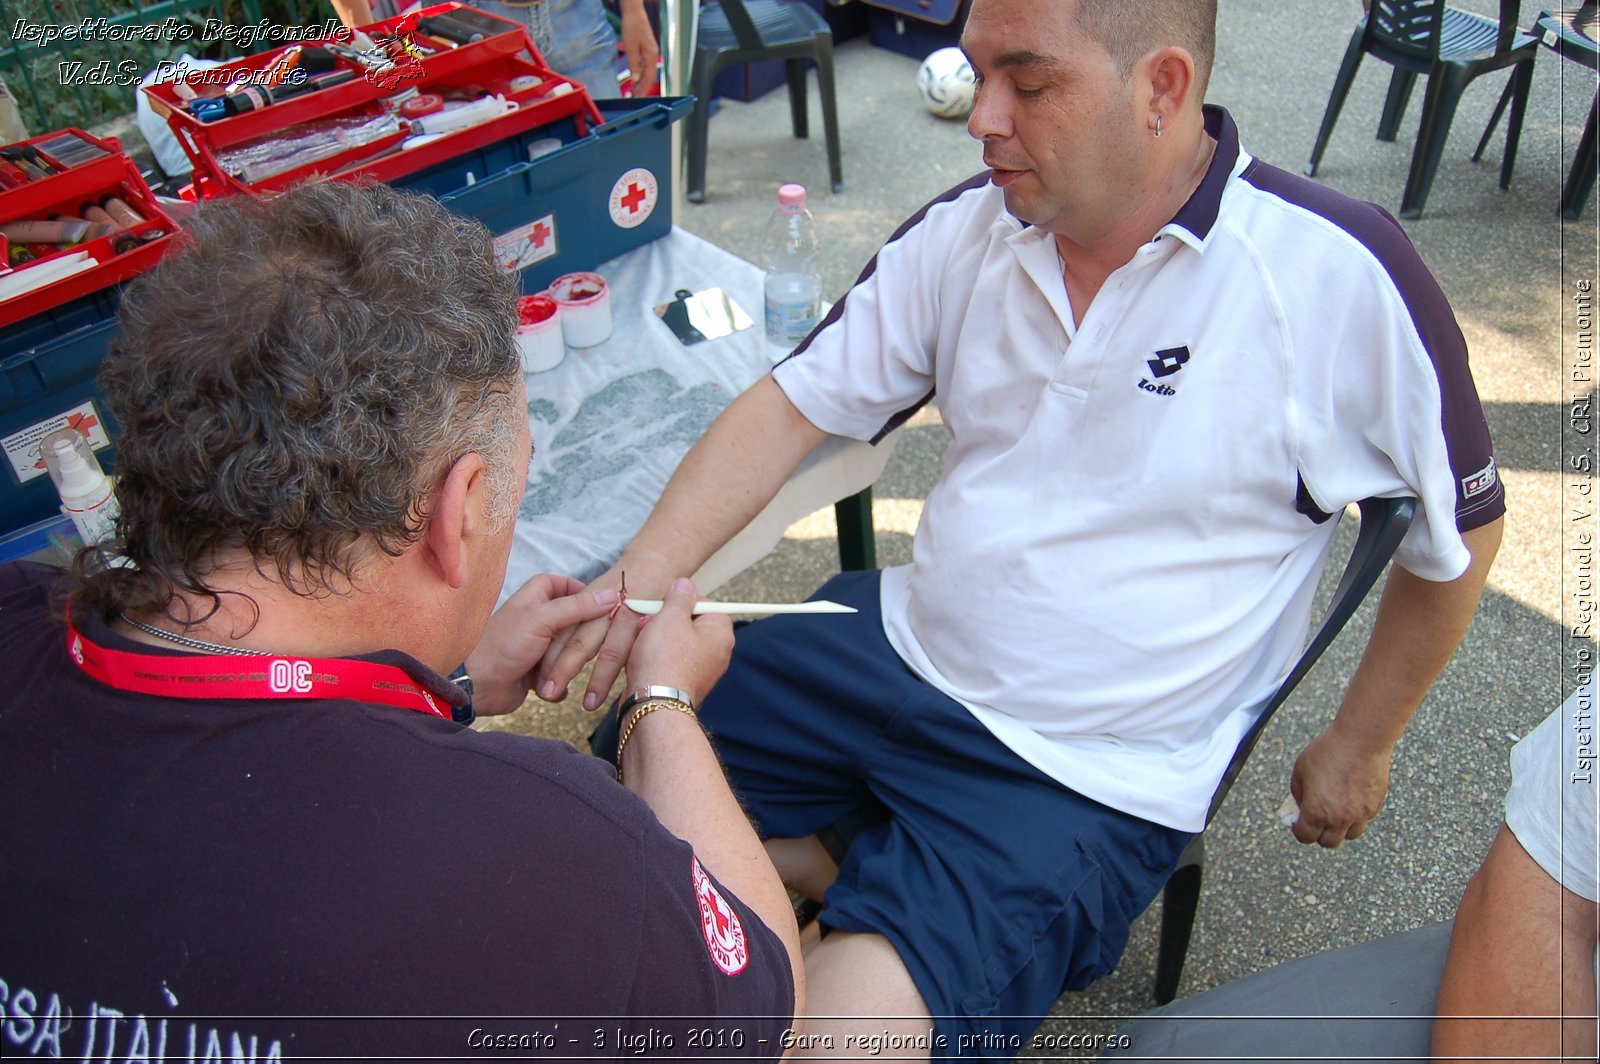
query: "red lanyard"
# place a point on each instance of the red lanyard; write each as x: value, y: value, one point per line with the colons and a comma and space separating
x: 211, y: 676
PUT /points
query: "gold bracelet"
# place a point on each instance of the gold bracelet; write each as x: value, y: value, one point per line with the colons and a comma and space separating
x: 643, y: 709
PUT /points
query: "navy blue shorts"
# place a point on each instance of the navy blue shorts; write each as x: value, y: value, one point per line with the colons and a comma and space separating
x: 999, y: 887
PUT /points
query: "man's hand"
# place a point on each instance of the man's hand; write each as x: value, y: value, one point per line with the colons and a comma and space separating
x: 639, y: 41
x: 1342, y: 776
x: 680, y: 650
x: 1339, y: 787
x: 608, y: 641
x: 722, y: 483
x: 521, y: 631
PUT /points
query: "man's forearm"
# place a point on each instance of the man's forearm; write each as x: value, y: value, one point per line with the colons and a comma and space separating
x: 353, y: 13
x: 1419, y: 625
x: 723, y: 482
x: 1342, y: 776
x: 670, y: 764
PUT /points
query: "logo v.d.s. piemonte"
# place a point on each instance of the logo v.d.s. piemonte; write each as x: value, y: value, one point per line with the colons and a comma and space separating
x: 395, y: 61
x: 1165, y: 364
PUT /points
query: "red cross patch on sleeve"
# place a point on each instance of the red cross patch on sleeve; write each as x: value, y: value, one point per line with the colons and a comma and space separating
x: 723, y: 932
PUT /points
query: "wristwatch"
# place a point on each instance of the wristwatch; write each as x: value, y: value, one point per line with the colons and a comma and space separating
x: 645, y: 694
x: 648, y: 699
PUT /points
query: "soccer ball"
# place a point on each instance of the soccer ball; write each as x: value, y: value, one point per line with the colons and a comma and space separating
x: 945, y: 82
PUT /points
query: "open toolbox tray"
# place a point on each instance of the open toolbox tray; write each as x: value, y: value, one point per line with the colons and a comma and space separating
x: 101, y: 169
x: 489, y: 64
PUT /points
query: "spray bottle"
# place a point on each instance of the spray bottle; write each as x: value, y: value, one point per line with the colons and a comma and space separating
x: 85, y: 491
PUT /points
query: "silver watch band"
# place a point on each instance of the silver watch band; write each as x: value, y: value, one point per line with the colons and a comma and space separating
x: 647, y: 692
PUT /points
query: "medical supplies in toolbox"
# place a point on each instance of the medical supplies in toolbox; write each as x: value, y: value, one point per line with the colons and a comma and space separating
x: 388, y: 100
x: 76, y: 217
x: 560, y: 203
x: 450, y: 101
x: 78, y: 221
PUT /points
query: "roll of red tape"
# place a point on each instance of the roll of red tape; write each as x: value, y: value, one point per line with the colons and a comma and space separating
x: 425, y: 104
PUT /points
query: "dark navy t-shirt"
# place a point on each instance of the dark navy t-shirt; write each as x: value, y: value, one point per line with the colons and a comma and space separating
x: 260, y: 880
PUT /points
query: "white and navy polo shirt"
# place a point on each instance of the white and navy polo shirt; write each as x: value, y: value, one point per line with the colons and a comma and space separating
x: 1118, y: 562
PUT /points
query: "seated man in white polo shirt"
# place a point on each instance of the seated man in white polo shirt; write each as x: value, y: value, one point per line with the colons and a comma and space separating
x: 1164, y: 366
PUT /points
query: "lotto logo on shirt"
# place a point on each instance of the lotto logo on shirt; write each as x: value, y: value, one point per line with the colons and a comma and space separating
x: 1483, y: 480
x: 1168, y: 362
x: 285, y: 676
x: 1165, y: 364
x: 724, y: 933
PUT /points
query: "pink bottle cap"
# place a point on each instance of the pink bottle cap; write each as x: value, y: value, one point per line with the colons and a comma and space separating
x: 792, y: 196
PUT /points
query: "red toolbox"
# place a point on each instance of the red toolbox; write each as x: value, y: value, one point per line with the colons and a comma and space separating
x: 53, y: 335
x: 60, y: 176
x: 360, y: 124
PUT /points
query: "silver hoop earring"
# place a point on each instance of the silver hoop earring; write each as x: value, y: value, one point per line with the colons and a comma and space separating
x: 1158, y: 126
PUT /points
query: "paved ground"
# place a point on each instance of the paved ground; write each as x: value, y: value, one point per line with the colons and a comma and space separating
x: 1510, y: 268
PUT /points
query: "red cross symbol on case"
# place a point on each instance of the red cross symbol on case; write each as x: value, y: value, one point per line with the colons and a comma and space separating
x: 633, y: 198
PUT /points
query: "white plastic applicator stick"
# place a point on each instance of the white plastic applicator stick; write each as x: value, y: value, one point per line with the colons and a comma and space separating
x: 707, y: 606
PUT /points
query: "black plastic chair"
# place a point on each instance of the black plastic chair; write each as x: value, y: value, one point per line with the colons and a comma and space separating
x: 735, y: 32
x: 1571, y: 33
x: 1451, y: 48
x: 1383, y: 525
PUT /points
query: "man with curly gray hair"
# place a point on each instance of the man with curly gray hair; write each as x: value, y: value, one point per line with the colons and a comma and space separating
x: 242, y: 803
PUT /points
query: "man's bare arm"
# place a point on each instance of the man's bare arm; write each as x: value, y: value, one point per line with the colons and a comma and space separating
x: 1342, y: 776
x: 722, y: 483
x: 353, y: 13
x: 670, y: 764
x: 639, y: 41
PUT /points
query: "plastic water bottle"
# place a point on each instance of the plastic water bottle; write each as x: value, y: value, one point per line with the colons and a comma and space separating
x: 793, y: 289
